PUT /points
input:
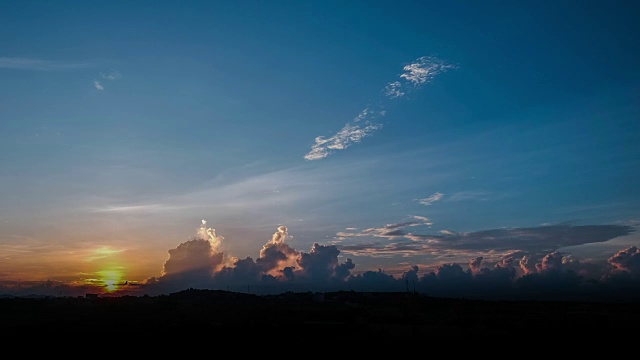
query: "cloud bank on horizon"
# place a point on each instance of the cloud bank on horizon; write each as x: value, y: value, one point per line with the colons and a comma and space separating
x: 413, y: 77
x: 507, y: 268
x: 513, y: 264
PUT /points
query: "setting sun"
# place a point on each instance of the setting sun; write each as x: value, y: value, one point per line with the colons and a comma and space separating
x: 110, y: 279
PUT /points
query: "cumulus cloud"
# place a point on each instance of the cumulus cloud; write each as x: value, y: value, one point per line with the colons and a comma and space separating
x: 626, y: 261
x: 475, y: 265
x: 200, y: 262
x: 416, y: 74
x: 194, y: 262
x: 98, y: 85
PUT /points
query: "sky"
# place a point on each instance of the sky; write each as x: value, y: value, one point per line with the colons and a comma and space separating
x: 459, y: 148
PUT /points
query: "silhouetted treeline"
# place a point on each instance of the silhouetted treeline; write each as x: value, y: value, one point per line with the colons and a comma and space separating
x: 358, y: 314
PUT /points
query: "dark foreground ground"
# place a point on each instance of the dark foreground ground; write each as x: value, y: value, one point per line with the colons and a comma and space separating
x: 311, y: 315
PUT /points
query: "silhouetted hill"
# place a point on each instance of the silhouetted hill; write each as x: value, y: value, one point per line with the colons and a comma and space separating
x: 358, y: 314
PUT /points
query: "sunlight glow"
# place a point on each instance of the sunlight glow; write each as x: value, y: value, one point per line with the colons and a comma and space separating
x: 111, y: 279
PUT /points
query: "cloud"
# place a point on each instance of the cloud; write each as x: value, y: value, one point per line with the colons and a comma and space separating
x: 102, y: 252
x: 112, y: 75
x: 626, y: 261
x: 39, y: 65
x: 416, y: 74
x: 470, y: 195
x: 492, y: 243
x: 201, y: 263
x: 431, y: 199
x: 394, y: 90
x: 350, y: 134
x: 389, y: 231
x: 132, y: 209
x: 424, y: 69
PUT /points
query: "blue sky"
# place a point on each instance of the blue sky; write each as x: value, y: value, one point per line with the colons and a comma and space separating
x: 391, y: 134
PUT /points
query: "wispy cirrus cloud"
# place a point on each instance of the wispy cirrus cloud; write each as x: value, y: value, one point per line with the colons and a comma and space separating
x: 424, y: 69
x: 414, y: 75
x: 437, y: 196
x: 131, y: 209
x: 470, y: 195
x: 19, y: 63
x: 112, y: 75
x: 102, y: 253
x: 389, y: 231
x: 351, y: 133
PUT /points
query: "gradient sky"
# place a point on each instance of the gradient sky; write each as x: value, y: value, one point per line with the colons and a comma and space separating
x: 322, y: 142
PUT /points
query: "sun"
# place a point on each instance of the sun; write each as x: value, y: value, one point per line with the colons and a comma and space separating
x: 111, y: 279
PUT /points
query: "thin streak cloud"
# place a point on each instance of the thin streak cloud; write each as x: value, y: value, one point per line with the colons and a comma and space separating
x: 17, y: 63
x: 470, y: 195
x: 134, y: 208
x: 129, y: 208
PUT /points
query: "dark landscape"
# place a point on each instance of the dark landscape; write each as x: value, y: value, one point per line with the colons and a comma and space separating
x: 307, y: 315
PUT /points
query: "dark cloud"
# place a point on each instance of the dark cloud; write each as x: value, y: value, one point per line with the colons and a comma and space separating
x: 532, y: 240
x: 475, y: 264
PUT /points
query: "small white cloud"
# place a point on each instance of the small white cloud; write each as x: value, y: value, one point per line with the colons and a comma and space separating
x: 423, y: 70
x: 111, y: 75
x: 394, y: 90
x: 364, y: 115
x: 415, y: 74
x: 431, y: 199
x: 349, y: 135
x: 425, y: 220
